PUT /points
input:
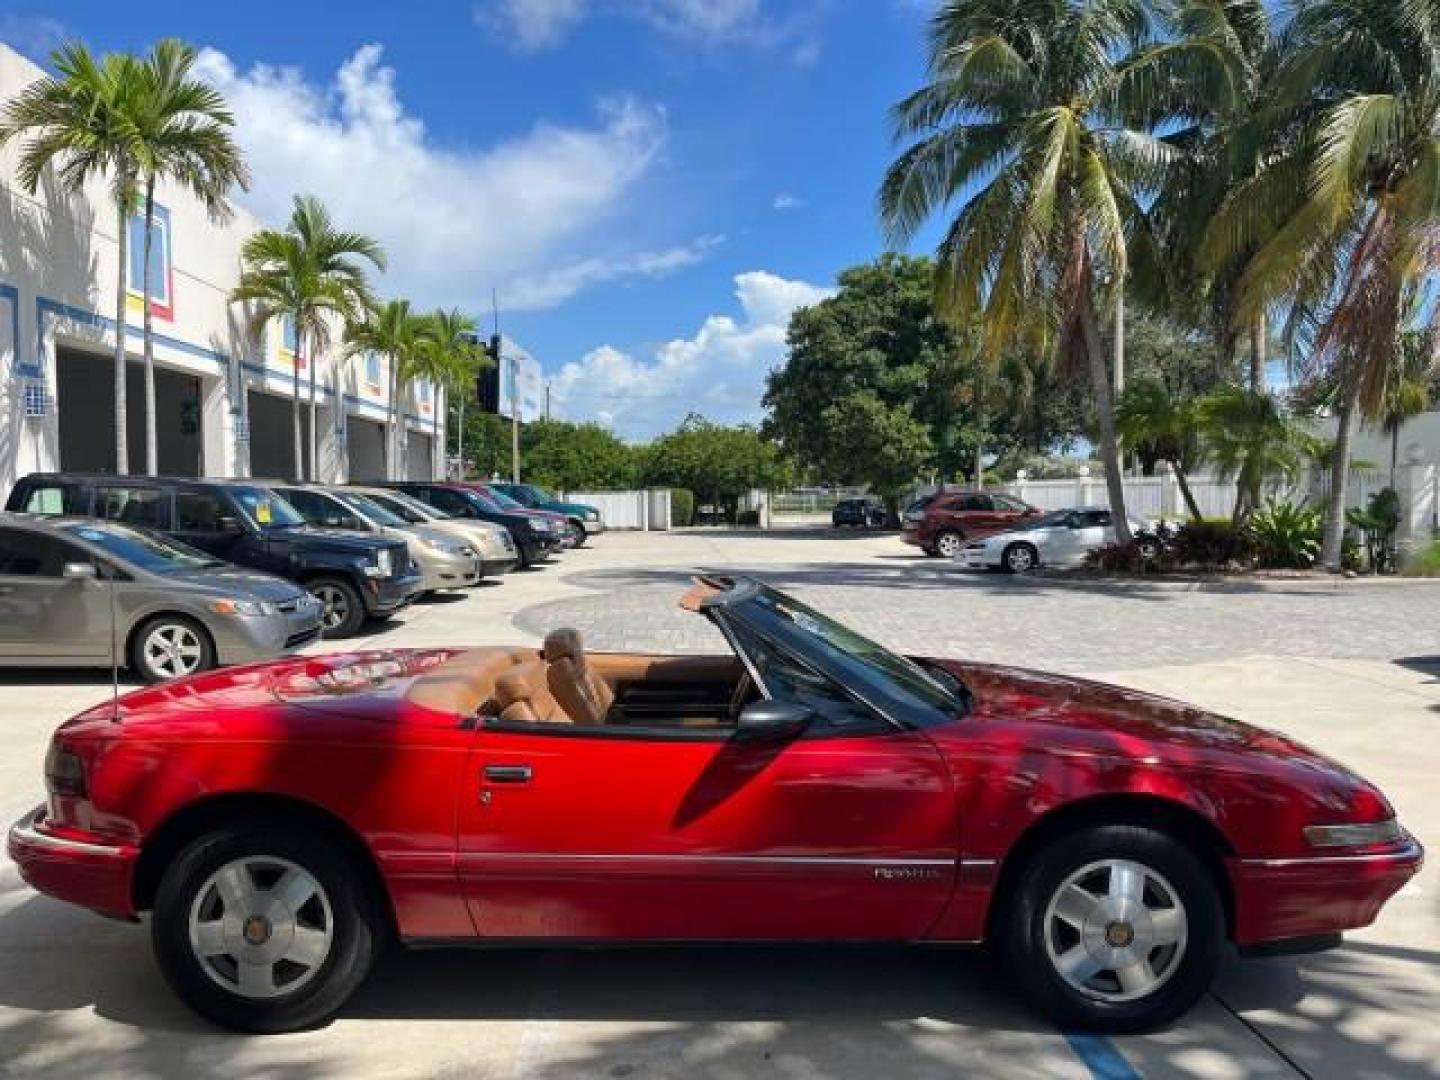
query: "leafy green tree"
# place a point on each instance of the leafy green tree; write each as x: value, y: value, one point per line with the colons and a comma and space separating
x: 394, y: 331
x: 455, y: 358
x: 485, y: 440
x: 1028, y: 123
x: 179, y: 131
x: 1166, y: 427
x: 312, y: 274
x: 79, y: 121
x: 719, y: 464
x: 1409, y: 388
x: 573, y: 457
x: 1342, y: 214
x: 893, y: 446
x: 1249, y: 437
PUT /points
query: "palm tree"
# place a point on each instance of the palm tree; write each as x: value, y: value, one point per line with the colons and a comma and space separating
x: 79, y: 123
x: 1029, y: 119
x: 311, y: 274
x: 1249, y: 438
x: 1346, y: 204
x: 456, y: 358
x: 179, y: 132
x: 1149, y: 415
x: 1407, y: 388
x: 391, y: 330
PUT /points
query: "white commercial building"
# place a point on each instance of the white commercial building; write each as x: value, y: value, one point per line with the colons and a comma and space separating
x: 223, y: 394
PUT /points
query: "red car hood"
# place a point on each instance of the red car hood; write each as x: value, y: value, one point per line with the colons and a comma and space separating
x: 1064, y: 715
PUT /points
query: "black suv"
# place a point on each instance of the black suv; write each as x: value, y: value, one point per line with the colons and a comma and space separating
x: 861, y: 512
x: 242, y: 521
x: 534, y: 535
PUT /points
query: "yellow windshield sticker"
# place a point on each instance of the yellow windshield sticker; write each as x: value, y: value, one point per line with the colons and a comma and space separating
x: 262, y: 513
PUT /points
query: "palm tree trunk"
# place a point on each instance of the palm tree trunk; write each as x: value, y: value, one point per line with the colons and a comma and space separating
x: 460, y: 441
x: 295, y: 402
x: 1183, y: 482
x: 152, y: 450
x: 314, y: 427
x: 394, y: 454
x: 1105, y: 414
x: 1259, y: 331
x: 1331, y: 550
x: 122, y: 447
x: 1394, y: 451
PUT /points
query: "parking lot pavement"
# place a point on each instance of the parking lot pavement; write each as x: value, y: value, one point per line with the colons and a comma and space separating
x: 81, y: 996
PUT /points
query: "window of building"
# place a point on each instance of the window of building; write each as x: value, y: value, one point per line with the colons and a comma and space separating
x: 160, y: 259
x: 372, y: 369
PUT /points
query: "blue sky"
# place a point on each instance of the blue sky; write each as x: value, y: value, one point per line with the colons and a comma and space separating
x: 652, y: 185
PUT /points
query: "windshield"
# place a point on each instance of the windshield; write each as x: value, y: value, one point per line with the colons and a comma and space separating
x: 505, y: 502
x: 534, y: 493
x: 265, y: 509
x: 412, y: 510
x: 144, y: 550
x: 931, y: 687
x: 371, y: 509
x: 483, y: 500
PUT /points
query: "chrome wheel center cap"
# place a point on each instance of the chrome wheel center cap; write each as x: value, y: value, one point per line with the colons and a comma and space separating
x: 1119, y: 935
x: 257, y: 930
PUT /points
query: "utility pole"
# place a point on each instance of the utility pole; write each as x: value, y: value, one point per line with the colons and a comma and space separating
x: 547, y: 401
x: 498, y: 343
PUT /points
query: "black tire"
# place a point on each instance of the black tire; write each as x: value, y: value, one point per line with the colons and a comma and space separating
x: 356, y: 926
x: 577, y: 530
x: 186, y: 633
x: 948, y: 538
x: 344, y: 608
x: 1148, y: 548
x: 1020, y: 558
x: 1027, y: 942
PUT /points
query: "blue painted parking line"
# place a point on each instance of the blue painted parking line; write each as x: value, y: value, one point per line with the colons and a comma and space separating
x: 1103, y: 1059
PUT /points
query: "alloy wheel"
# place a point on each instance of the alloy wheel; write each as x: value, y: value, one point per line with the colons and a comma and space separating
x: 1115, y: 930
x: 336, y: 604
x: 172, y: 650
x: 948, y: 544
x: 1019, y: 558
x: 261, y: 927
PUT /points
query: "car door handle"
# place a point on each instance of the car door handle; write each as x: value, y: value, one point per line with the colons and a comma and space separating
x: 508, y: 774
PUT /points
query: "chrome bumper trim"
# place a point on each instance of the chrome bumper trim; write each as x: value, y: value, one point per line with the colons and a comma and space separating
x: 25, y: 832
x: 1409, y: 853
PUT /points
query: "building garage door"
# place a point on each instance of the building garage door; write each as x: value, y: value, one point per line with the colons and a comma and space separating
x: 272, y: 436
x: 420, y: 452
x: 85, y: 399
x: 365, y: 448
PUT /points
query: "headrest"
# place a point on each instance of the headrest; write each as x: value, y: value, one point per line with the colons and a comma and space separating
x: 564, y: 644
x: 512, y: 688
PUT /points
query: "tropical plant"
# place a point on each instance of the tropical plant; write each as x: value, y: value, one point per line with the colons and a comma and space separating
x: 178, y: 132
x: 1342, y: 215
x: 1286, y: 534
x: 1377, y: 524
x: 1250, y: 438
x: 1031, y: 120
x: 1212, y: 545
x: 1425, y: 562
x: 394, y: 331
x: 1149, y: 416
x: 1407, y: 391
x: 79, y: 122
x: 450, y: 358
x: 312, y: 274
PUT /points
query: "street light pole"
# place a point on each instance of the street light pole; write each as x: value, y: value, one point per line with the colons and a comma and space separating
x: 515, y: 419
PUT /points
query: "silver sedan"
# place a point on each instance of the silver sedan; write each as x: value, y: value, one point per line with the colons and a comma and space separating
x: 83, y: 593
x: 1060, y: 538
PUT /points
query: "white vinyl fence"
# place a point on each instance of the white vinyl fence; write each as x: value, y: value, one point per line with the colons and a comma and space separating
x: 647, y: 510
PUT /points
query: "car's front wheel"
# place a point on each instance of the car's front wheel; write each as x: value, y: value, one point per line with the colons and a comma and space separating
x: 264, y: 930
x: 577, y: 533
x: 1115, y: 927
x: 1020, y: 558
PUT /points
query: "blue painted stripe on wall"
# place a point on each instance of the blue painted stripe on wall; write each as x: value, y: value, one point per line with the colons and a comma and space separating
x: 325, y: 391
x: 12, y: 294
x: 1102, y: 1058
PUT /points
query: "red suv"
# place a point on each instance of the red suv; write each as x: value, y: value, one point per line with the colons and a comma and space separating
x: 940, y: 524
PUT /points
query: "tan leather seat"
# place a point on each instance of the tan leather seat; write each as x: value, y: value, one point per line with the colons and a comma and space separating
x: 584, y: 695
x: 521, y: 697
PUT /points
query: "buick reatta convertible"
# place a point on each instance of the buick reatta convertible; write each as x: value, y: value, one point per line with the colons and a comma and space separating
x: 281, y: 822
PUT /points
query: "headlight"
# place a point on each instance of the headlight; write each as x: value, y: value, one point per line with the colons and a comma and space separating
x: 592, y: 515
x: 384, y: 565
x: 444, y: 547
x: 243, y: 607
x: 1377, y: 832
x: 540, y: 524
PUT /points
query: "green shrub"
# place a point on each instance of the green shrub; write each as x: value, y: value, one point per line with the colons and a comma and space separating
x: 1123, y: 559
x: 1212, y: 544
x: 1286, y: 535
x: 682, y: 507
x: 1425, y: 562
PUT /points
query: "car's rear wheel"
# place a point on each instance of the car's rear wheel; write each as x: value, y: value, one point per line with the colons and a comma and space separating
x: 577, y: 533
x: 1148, y: 548
x: 171, y: 647
x: 1020, y: 558
x: 948, y: 544
x: 343, y: 610
x: 264, y: 930
x: 1114, y: 927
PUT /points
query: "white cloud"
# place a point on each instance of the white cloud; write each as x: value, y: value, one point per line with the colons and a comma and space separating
x: 719, y: 372
x: 548, y: 288
x: 534, y: 24
x: 786, y: 201
x: 542, y: 24
x: 34, y: 36
x: 454, y: 220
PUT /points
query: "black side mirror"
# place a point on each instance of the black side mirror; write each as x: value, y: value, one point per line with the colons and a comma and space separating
x: 772, y: 720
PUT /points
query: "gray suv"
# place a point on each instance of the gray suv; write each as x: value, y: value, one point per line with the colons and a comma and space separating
x: 175, y: 611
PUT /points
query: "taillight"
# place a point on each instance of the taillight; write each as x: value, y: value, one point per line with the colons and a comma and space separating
x: 64, y: 772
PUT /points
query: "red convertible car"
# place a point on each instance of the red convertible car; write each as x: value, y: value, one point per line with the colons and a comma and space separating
x: 282, y: 821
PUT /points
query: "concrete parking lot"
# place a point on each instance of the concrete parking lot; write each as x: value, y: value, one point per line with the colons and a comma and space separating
x: 1353, y: 669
